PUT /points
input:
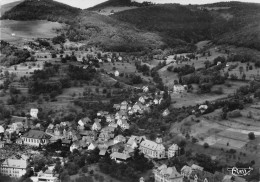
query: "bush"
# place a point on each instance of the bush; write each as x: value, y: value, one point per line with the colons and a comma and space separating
x: 218, y: 91
x: 234, y: 114
x: 233, y: 77
x: 251, y: 136
x: 206, y: 145
x: 194, y: 140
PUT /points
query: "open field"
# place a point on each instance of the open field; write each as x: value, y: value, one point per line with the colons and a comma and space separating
x: 249, y: 73
x: 190, y: 99
x: 15, y: 31
x: 24, y: 69
x: 221, y: 137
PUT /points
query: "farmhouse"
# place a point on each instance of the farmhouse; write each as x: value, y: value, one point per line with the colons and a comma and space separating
x: 153, y: 149
x: 13, y: 167
x: 134, y: 141
x: 177, y: 89
x: 96, y: 126
x: 116, y: 73
x: 166, y: 112
x: 35, y: 138
x: 145, y: 88
x: 167, y: 174
x: 173, y: 151
x: 34, y: 113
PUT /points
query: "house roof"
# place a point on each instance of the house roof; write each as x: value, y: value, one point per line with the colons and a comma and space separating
x: 102, y: 152
x: 120, y: 138
x: 98, y: 125
x: 171, y: 172
x: 108, y: 129
x: 118, y: 155
x: 152, y: 145
x: 196, y: 167
x: 15, y: 163
x: 174, y: 147
x: 202, y: 175
x: 87, y: 133
x: 65, y: 141
x: 136, y: 139
x: 36, y: 134
x: 2, y: 130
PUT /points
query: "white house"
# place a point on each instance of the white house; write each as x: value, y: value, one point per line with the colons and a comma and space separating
x: 119, y: 157
x: 166, y: 112
x: 153, y: 149
x: 116, y: 73
x: 15, y: 127
x: 75, y: 145
x: 173, y: 150
x: 34, y: 113
x: 2, y: 130
x: 133, y: 141
x: 145, y: 88
x: 141, y: 99
x: 120, y: 58
x: 203, y: 108
x: 179, y: 88
x: 92, y: 146
x: 13, y: 167
x: 96, y: 126
x: 125, y: 125
x: 119, y: 138
x: 167, y: 174
x: 2, y: 144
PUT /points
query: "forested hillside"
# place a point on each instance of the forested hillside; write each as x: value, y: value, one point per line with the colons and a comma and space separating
x: 42, y: 10
x: 240, y: 24
x: 236, y: 24
x: 171, y: 21
x: 110, y: 33
x: 7, y: 7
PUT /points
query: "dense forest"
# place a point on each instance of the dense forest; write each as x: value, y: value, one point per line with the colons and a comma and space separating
x: 237, y: 24
x: 173, y: 22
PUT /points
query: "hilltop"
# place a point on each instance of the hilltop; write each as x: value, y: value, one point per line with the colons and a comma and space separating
x: 42, y: 10
x: 7, y: 7
x: 119, y: 3
x: 111, y: 3
x: 110, y: 33
x: 231, y: 22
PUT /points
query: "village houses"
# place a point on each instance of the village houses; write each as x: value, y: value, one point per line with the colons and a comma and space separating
x: 167, y: 174
x: 173, y: 151
x: 13, y: 167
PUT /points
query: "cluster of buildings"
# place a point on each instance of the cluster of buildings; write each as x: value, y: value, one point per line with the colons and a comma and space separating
x: 88, y: 135
x: 193, y: 173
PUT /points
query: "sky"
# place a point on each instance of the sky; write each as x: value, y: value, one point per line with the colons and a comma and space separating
x: 89, y: 3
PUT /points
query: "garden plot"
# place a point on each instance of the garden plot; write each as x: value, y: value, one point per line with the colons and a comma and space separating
x: 24, y: 70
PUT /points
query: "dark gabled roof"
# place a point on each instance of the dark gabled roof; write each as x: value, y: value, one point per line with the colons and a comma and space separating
x: 37, y: 134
